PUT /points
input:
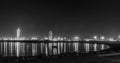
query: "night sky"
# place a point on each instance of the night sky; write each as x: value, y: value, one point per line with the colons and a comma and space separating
x: 63, y: 17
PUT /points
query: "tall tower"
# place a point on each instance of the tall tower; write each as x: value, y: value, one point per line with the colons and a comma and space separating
x: 18, y: 33
x: 50, y: 35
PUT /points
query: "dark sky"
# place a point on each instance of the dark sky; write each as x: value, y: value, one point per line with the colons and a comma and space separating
x: 63, y: 17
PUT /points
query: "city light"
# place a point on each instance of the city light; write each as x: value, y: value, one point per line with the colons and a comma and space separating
x: 102, y: 38
x: 46, y: 38
x: 51, y: 37
x: 95, y: 37
x: 87, y: 39
x: 111, y: 39
x: 34, y: 38
x: 76, y: 38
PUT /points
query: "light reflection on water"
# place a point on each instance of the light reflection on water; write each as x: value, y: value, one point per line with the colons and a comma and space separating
x: 33, y: 49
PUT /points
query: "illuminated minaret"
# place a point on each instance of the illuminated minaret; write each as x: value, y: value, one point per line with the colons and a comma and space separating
x: 18, y: 33
x: 50, y: 35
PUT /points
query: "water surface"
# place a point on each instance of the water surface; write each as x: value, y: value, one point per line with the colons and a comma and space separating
x: 33, y: 49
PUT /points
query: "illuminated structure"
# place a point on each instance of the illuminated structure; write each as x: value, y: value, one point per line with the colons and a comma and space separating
x: 18, y: 33
x: 50, y: 35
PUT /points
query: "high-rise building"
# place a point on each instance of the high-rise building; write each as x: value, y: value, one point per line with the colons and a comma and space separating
x: 50, y: 35
x: 18, y: 33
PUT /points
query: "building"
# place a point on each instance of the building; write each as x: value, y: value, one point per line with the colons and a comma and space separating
x: 18, y: 32
x: 50, y: 36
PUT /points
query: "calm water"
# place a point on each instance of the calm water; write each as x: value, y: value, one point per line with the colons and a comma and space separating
x: 33, y: 49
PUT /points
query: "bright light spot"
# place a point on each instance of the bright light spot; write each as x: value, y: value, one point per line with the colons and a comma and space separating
x: 58, y: 38
x: 87, y: 39
x: 102, y: 38
x: 111, y: 39
x: 95, y: 37
x: 62, y: 39
x: 76, y: 38
x: 46, y: 38
x: 34, y: 38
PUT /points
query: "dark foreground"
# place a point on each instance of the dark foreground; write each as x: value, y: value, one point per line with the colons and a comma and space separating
x: 67, y: 59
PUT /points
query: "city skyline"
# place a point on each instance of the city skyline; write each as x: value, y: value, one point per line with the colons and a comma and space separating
x: 66, y: 19
x: 52, y: 37
x: 73, y: 17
